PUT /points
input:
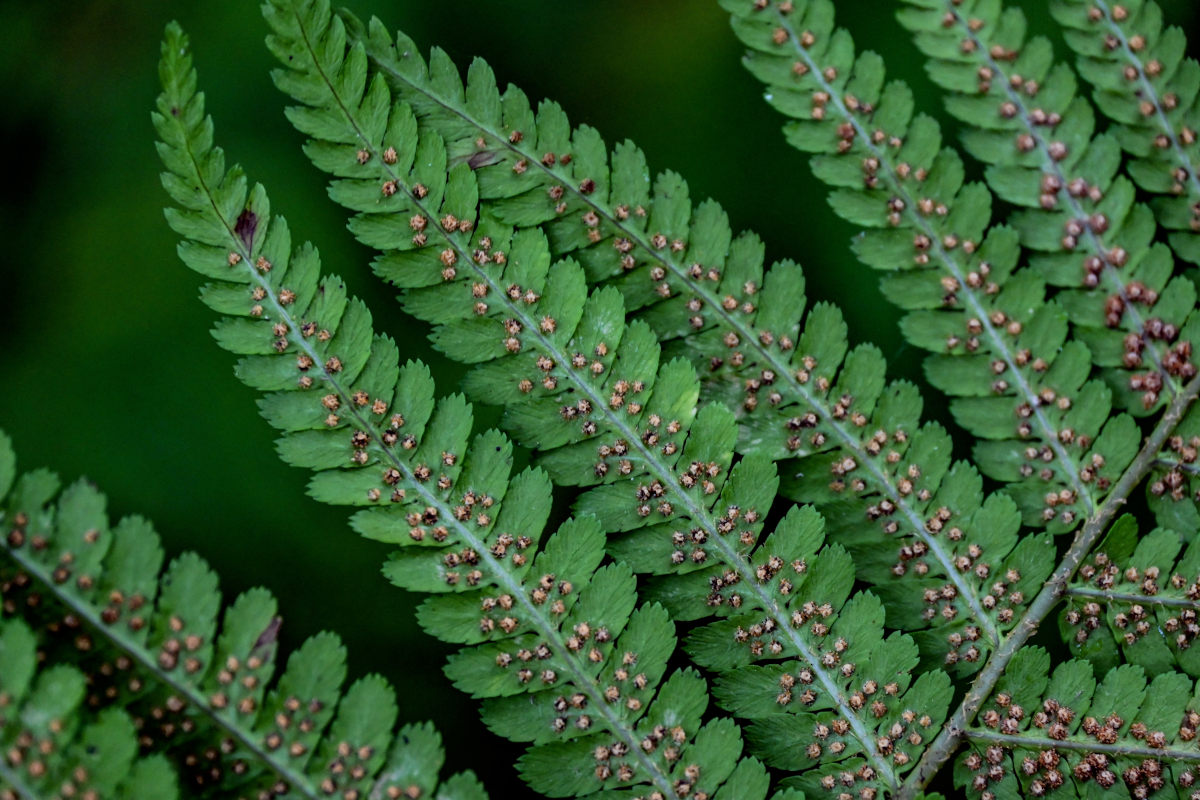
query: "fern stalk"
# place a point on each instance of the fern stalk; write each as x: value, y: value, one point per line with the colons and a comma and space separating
x: 1025, y: 741
x: 944, y: 746
x: 1128, y: 597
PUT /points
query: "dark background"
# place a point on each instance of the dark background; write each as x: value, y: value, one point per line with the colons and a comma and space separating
x: 106, y: 365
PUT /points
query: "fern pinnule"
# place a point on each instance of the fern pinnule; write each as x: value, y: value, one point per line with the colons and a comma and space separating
x: 154, y: 660
x: 997, y: 346
x: 551, y: 638
x: 1143, y: 82
x: 1173, y: 489
x: 904, y: 490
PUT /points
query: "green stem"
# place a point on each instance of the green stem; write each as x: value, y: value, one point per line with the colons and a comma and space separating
x: 1083, y: 745
x: 1146, y: 600
x: 948, y: 740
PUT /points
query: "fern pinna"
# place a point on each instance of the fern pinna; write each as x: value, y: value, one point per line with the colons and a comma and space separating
x: 648, y: 358
x: 1037, y: 136
x: 122, y: 679
x: 998, y: 347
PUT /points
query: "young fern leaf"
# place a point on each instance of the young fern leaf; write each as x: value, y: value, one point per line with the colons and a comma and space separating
x: 1141, y: 594
x: 997, y: 345
x: 124, y: 636
x: 1094, y: 243
x: 946, y: 592
x: 587, y: 390
x: 551, y: 638
x: 1065, y: 731
x: 1144, y: 84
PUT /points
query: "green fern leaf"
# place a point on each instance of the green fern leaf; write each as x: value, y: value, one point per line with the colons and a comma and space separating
x: 1143, y: 83
x: 1037, y: 137
x: 142, y: 643
x: 551, y: 638
x: 88, y: 752
x: 998, y: 346
x: 967, y: 623
x: 584, y: 391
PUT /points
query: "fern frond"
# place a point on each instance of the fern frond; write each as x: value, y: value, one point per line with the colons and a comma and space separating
x: 907, y: 489
x: 551, y: 638
x: 942, y: 749
x: 1067, y: 734
x: 1093, y: 242
x: 997, y: 345
x: 1143, y: 82
x: 139, y: 658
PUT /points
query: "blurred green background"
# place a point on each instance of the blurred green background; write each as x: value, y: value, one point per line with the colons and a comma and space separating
x: 107, y: 366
